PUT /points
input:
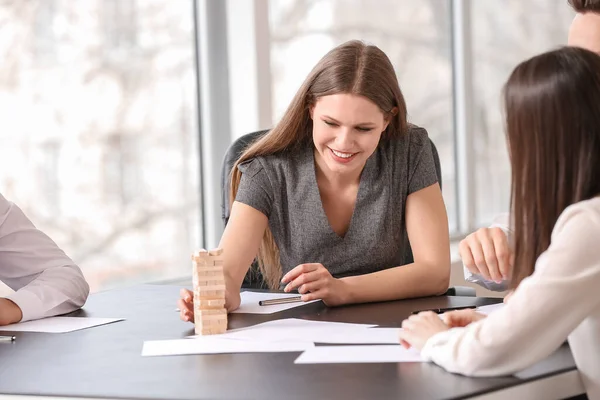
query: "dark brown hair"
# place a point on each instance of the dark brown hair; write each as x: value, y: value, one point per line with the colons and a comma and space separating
x: 552, y: 104
x: 583, y: 6
x: 352, y: 67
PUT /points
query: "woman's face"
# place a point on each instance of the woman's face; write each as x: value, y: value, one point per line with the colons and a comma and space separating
x: 346, y: 131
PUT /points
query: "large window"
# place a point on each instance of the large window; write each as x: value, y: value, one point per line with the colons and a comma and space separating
x: 504, y: 34
x: 99, y: 137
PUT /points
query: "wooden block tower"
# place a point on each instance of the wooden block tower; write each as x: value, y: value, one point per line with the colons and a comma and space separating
x: 210, y: 315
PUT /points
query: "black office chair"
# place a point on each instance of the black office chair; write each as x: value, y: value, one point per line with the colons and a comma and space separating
x: 254, y: 279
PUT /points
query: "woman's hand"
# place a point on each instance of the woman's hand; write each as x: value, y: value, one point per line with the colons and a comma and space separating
x: 487, y: 253
x: 417, y: 329
x: 314, y: 282
x: 186, y: 303
x: 10, y: 313
x: 461, y: 318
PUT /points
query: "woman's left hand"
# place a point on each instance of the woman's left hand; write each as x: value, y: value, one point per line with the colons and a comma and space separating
x: 314, y: 282
x: 417, y: 329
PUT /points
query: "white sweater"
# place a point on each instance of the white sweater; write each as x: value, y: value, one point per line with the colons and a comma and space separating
x: 560, y: 300
x: 47, y: 282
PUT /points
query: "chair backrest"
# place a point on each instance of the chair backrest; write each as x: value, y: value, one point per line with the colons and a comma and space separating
x: 253, y: 278
x: 231, y: 156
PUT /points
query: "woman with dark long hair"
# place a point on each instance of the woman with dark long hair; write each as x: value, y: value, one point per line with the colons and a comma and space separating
x: 552, y: 104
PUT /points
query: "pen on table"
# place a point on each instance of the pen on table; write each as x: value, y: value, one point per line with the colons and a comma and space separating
x: 443, y: 310
x: 7, y: 338
x: 284, y: 300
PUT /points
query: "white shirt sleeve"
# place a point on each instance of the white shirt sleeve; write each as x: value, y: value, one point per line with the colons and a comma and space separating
x: 47, y: 282
x: 502, y: 222
x: 543, y: 311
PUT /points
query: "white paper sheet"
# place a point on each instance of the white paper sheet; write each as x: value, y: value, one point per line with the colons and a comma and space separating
x: 58, y: 324
x: 490, y: 308
x: 218, y: 345
x: 315, y: 331
x: 293, y: 323
x: 249, y: 304
x: 364, y: 336
x: 358, y: 354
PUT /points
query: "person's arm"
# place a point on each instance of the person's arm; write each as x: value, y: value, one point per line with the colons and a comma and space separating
x: 543, y: 311
x: 243, y: 234
x: 47, y: 282
x: 487, y: 255
x: 427, y: 227
x: 240, y: 243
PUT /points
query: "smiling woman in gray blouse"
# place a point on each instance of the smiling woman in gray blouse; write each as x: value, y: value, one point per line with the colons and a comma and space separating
x: 324, y: 200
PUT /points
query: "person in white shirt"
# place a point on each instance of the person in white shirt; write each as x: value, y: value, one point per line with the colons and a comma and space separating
x: 552, y: 107
x: 47, y: 282
x: 487, y: 254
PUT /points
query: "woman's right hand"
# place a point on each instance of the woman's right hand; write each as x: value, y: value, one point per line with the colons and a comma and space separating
x: 186, y: 303
x: 487, y: 253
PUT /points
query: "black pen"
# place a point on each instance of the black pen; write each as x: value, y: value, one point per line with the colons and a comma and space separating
x: 283, y: 300
x: 7, y: 338
x: 443, y: 310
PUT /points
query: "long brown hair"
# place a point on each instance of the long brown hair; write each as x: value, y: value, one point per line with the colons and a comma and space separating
x: 552, y: 104
x: 352, y: 67
x: 583, y: 6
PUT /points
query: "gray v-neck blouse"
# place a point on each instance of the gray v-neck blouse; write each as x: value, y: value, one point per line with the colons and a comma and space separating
x: 284, y: 187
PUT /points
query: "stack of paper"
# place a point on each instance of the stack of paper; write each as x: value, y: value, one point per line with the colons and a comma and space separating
x: 216, y: 345
x: 292, y: 329
x: 291, y: 335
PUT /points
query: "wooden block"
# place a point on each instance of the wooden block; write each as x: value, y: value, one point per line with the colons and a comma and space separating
x: 208, y: 272
x: 213, y: 330
x: 208, y: 322
x: 208, y: 254
x: 209, y: 280
x: 202, y: 284
x: 214, y: 294
x: 211, y: 288
x: 209, y: 303
x: 211, y: 319
x: 218, y: 312
x: 211, y: 323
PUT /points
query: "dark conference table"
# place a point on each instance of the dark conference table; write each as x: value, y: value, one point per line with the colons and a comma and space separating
x: 106, y: 361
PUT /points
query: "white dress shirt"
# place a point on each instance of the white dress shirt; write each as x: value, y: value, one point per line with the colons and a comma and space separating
x: 46, y: 281
x: 558, y: 301
x: 501, y: 221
